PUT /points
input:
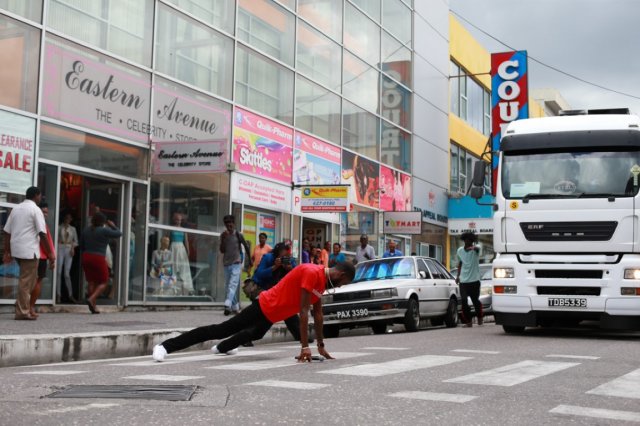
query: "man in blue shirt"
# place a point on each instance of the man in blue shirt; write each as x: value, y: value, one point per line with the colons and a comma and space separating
x: 337, y: 256
x: 469, y: 278
x: 392, y: 252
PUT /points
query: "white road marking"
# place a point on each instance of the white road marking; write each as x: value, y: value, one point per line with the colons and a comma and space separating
x: 278, y: 362
x: 76, y: 408
x: 397, y: 366
x: 163, y: 377
x: 53, y: 372
x: 177, y: 359
x: 572, y: 356
x: 290, y: 385
x: 625, y: 386
x: 514, y: 374
x: 384, y: 348
x: 431, y: 396
x: 598, y: 413
x: 473, y: 351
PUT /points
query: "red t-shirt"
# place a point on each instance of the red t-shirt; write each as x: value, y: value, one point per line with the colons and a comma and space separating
x: 283, y: 300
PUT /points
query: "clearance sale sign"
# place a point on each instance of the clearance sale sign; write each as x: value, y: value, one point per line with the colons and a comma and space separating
x: 17, y: 136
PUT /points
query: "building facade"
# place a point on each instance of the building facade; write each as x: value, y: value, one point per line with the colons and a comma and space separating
x: 168, y: 114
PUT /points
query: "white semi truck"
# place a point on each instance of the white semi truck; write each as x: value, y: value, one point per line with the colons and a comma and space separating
x: 567, y: 221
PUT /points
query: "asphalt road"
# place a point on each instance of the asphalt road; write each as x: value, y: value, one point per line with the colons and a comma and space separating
x: 455, y: 376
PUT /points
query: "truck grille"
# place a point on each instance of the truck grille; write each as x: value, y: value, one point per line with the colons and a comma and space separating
x: 568, y: 231
x: 569, y: 274
x: 568, y: 291
x: 354, y: 295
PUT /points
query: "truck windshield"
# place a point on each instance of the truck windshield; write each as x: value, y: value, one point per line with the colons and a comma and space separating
x: 570, y: 174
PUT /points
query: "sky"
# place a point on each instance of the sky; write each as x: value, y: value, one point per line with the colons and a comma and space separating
x: 595, y: 40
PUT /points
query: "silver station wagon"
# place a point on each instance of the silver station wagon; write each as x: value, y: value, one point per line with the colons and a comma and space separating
x: 395, y: 290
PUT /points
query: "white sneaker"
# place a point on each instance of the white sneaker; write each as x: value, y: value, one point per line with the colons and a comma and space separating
x: 159, y: 352
x: 215, y: 350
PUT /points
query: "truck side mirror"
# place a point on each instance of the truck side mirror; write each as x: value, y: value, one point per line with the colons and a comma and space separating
x: 476, y: 192
x: 479, y: 169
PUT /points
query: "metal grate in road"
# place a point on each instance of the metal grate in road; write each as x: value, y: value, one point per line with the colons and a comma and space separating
x: 155, y: 392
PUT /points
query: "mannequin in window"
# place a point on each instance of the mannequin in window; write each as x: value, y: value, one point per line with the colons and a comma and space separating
x: 67, y: 243
x: 162, y: 265
x: 180, y: 256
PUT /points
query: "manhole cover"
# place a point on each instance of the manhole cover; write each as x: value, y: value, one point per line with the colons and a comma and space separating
x: 160, y: 392
x: 125, y: 323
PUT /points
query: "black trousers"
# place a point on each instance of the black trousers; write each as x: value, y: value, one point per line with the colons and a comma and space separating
x: 250, y: 324
x: 472, y: 291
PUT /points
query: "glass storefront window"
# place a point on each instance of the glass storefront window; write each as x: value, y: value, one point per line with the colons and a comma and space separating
x: 21, y: 43
x: 396, y: 59
x: 268, y: 28
x: 219, y: 13
x: 360, y: 82
x: 362, y: 35
x: 78, y: 148
x: 291, y: 4
x: 355, y: 223
x: 263, y: 85
x: 395, y: 102
x: 9, y: 272
x: 360, y: 130
x: 396, y: 18
x: 325, y: 15
x: 317, y: 110
x: 193, y: 53
x: 123, y: 27
x: 30, y: 9
x: 371, y: 7
x: 395, y: 147
x: 137, y: 242
x: 319, y: 57
x: 47, y: 182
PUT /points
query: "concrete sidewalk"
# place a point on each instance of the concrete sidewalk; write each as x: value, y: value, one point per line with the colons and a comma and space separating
x: 73, y: 334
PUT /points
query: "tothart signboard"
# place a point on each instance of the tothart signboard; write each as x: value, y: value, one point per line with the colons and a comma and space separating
x: 402, y: 223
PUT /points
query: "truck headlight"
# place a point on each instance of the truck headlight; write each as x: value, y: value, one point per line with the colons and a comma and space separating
x: 384, y: 293
x: 503, y: 273
x: 632, y: 274
x: 327, y: 298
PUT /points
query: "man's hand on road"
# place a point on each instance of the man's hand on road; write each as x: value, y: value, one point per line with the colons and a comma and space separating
x: 322, y: 351
x: 305, y: 355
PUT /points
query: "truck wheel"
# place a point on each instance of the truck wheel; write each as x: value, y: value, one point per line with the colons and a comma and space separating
x: 331, y: 331
x: 451, y: 318
x: 513, y: 329
x: 379, y: 327
x: 412, y: 317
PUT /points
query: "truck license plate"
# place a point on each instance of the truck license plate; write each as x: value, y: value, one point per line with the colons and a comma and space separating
x: 567, y: 302
x: 352, y: 313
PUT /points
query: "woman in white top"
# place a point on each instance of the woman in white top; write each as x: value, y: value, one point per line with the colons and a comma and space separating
x: 67, y: 243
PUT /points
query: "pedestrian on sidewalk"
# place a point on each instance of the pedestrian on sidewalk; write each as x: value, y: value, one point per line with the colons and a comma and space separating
x: 469, y: 278
x: 231, y: 243
x: 364, y: 251
x: 260, y: 249
x: 93, y: 243
x: 24, y: 229
x: 67, y: 243
x: 393, y: 251
x: 337, y: 256
x: 297, y: 292
x: 42, y: 263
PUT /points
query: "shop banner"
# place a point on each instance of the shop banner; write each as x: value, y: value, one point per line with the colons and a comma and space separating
x: 431, y: 201
x: 395, y: 190
x: 170, y: 158
x: 362, y: 175
x: 17, y: 135
x: 262, y: 147
x: 315, y: 162
x: 324, y: 199
x: 260, y: 193
x: 477, y: 226
x: 402, y: 223
x: 268, y: 226
x: 323, y: 217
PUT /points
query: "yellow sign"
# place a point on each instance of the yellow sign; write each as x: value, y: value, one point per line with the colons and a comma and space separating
x: 324, y: 199
x: 514, y: 205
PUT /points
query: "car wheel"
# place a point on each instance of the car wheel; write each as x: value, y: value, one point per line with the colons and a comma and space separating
x: 412, y: 317
x: 379, y: 328
x: 451, y: 317
x: 513, y: 329
x: 331, y: 331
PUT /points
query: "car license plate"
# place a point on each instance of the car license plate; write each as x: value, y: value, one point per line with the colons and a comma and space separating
x: 352, y: 313
x: 567, y: 302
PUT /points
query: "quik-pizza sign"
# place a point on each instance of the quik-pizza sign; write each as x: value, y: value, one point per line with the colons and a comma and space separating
x: 509, y: 97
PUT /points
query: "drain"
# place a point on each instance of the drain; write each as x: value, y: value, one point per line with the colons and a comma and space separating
x: 155, y: 392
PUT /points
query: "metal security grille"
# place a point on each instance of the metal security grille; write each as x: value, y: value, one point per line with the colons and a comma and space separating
x: 568, y: 231
x: 159, y: 392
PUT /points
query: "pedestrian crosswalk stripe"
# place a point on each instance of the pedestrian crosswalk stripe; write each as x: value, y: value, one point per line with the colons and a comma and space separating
x: 290, y: 385
x: 431, y: 396
x: 383, y: 348
x: 474, y: 351
x: 177, y: 359
x: 163, y: 377
x: 514, y: 374
x: 52, y: 372
x: 397, y: 366
x: 279, y: 362
x: 572, y: 356
x: 625, y: 386
x: 598, y: 413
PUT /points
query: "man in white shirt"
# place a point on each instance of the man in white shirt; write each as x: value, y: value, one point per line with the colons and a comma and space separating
x: 23, y: 230
x: 364, y: 251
